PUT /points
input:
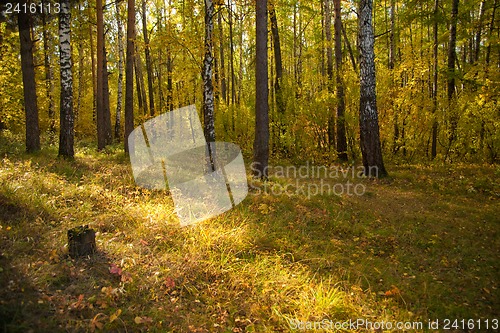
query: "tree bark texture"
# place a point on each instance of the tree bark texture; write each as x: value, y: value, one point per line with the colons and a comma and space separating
x: 368, y: 115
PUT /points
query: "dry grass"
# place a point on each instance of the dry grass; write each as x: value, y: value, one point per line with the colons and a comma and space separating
x: 423, y: 244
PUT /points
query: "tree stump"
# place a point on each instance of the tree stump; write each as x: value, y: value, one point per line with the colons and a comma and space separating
x: 81, y: 241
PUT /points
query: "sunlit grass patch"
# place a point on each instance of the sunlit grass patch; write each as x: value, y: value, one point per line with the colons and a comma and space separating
x: 421, y: 245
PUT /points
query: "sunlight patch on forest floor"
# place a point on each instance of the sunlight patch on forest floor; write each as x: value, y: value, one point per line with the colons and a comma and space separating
x: 421, y: 244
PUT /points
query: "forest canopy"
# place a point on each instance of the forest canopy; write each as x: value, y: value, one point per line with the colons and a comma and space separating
x: 437, y: 96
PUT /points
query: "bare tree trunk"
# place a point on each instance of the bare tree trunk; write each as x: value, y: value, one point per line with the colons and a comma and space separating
x: 140, y: 85
x: 222, y: 71
x: 490, y: 34
x: 208, y: 88
x: 66, y: 131
x: 94, y: 76
x: 231, y: 55
x: 280, y: 105
x: 392, y: 50
x: 103, y: 116
x: 261, y: 143
x: 368, y: 115
x: 435, y: 80
x: 129, y: 73
x: 479, y: 31
x: 452, y: 55
x: 341, y: 134
x: 119, y: 96
x: 149, y: 65
x: 49, y: 83
x: 28, y: 72
x: 80, y: 69
x: 349, y: 49
x: 329, y: 71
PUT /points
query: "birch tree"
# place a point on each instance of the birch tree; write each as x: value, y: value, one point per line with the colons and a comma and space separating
x: 66, y: 130
x: 208, y: 88
x: 368, y: 114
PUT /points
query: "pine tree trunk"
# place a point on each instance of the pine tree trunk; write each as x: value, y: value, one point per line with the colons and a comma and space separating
x: 349, y: 49
x: 341, y: 134
x: 452, y: 56
x: 103, y: 113
x: 119, y: 96
x: 140, y: 84
x: 231, y: 56
x: 49, y: 83
x: 435, y: 80
x: 280, y: 105
x: 149, y: 65
x: 368, y: 115
x: 222, y: 71
x: 129, y: 73
x: 66, y: 133
x: 329, y: 71
x: 81, y: 59
x: 261, y: 143
x: 28, y: 72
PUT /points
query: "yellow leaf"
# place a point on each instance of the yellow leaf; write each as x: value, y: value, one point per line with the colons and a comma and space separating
x: 138, y: 320
x: 115, y: 315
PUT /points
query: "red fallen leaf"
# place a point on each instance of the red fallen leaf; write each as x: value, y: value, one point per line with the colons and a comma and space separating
x: 394, y: 291
x: 126, y: 277
x: 78, y: 304
x: 169, y: 283
x: 115, y: 270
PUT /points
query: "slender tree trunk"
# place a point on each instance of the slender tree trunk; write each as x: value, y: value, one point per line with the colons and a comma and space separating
x: 170, y: 85
x: 208, y: 88
x: 479, y: 30
x: 349, y: 49
x: 129, y: 73
x: 392, y: 50
x: 119, y: 95
x: 280, y: 105
x: 435, y: 80
x: 80, y: 69
x: 138, y: 87
x: 103, y: 116
x: 66, y: 133
x: 105, y: 87
x: 222, y: 71
x: 28, y: 72
x: 341, y: 134
x: 261, y: 143
x: 329, y: 70
x: 368, y: 115
x: 49, y: 83
x: 231, y: 55
x: 141, y: 85
x: 93, y: 64
x: 452, y: 55
x: 490, y: 34
x: 149, y: 65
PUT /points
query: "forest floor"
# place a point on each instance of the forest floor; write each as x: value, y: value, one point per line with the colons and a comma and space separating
x: 420, y: 245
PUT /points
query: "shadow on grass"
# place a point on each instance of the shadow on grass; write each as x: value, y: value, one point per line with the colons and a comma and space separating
x: 54, y: 299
